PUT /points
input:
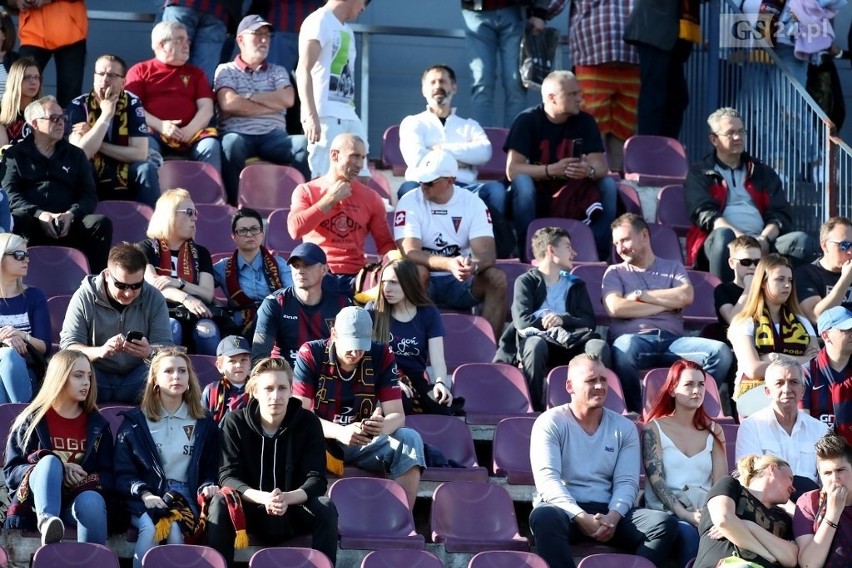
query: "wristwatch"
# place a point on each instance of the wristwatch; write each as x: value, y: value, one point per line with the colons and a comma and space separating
x: 181, y: 283
x: 638, y: 294
x: 591, y: 172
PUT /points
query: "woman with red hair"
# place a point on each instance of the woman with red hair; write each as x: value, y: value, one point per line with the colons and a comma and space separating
x: 684, y: 453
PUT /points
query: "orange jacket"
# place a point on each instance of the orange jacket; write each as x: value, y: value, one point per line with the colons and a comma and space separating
x: 54, y: 25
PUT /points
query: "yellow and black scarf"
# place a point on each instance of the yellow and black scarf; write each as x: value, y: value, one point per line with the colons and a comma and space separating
x: 108, y: 170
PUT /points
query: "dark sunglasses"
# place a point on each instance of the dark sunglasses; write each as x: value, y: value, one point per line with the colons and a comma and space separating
x: 430, y: 183
x: 188, y: 211
x: 125, y: 285
x: 747, y: 262
x: 844, y: 246
x: 18, y: 254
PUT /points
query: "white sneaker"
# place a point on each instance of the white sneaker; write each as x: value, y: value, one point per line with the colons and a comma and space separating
x: 52, y: 529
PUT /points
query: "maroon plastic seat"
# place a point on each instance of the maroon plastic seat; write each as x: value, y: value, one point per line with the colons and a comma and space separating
x: 113, y: 415
x: 213, y: 227
x: 592, y: 275
x: 491, y: 391
x: 373, y: 513
x: 391, y: 154
x: 671, y: 209
x: 200, y: 179
x: 285, y: 557
x: 129, y: 219
x: 380, y: 184
x: 277, y: 236
x: 267, y: 187
x: 205, y: 369
x: 730, y: 429
x: 56, y: 270
x: 507, y: 559
x: 401, y: 558
x: 656, y: 378
x: 654, y: 160
x: 495, y: 168
x: 608, y: 560
x: 511, y: 450
x: 71, y: 554
x: 467, y: 339
x: 183, y: 556
x: 629, y: 198
x: 582, y: 239
x: 512, y: 269
x: 702, y: 311
x: 557, y: 393
x: 452, y: 437
x: 473, y: 516
x: 56, y: 307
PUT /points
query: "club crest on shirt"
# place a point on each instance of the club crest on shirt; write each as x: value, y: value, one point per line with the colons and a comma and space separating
x: 185, y: 80
x: 188, y: 431
x: 399, y: 219
x: 456, y: 223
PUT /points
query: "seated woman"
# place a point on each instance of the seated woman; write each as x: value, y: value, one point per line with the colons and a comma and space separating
x: 684, y: 453
x: 59, y: 456
x: 167, y: 449
x: 23, y: 86
x: 182, y: 270
x: 742, y: 516
x: 771, y: 322
x: 407, y: 319
x: 24, y: 324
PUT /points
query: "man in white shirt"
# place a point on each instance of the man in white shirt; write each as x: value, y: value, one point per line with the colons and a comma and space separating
x: 780, y: 429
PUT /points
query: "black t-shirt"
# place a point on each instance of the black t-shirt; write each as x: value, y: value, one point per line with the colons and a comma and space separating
x: 748, y: 508
x: 814, y: 280
x: 726, y: 293
x: 542, y: 142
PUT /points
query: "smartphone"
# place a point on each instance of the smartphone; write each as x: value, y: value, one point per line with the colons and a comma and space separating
x: 57, y: 226
x: 133, y: 336
x: 578, y: 148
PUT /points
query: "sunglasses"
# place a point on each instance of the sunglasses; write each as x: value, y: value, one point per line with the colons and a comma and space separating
x: 18, y: 254
x: 747, y: 262
x: 189, y: 212
x: 246, y: 231
x: 430, y: 183
x: 55, y: 118
x: 844, y: 246
x: 125, y: 285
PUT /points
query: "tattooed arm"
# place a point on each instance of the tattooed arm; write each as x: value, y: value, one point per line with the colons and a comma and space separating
x: 720, y: 455
x: 652, y: 455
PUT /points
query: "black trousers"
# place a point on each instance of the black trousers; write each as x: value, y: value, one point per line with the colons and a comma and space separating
x: 663, y: 94
x: 70, y: 64
x: 91, y: 234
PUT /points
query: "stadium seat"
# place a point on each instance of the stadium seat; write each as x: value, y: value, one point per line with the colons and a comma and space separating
x: 401, y: 558
x: 289, y: 557
x: 452, y: 437
x: 75, y: 554
x: 200, y: 179
x: 608, y: 560
x: 512, y: 269
x: 592, y: 275
x: 183, y: 556
x: 656, y: 378
x: 467, y: 339
x: 112, y: 413
x: 511, y: 450
x: 277, y: 236
x: 213, y: 227
x: 391, y: 155
x: 380, y: 184
x: 629, y: 198
x: 495, y: 168
x: 730, y: 429
x: 129, y: 219
x: 491, y: 391
x: 671, y: 209
x: 557, y: 394
x: 654, y: 160
x: 56, y: 270
x: 56, y: 307
x: 373, y: 513
x: 473, y: 516
x: 664, y: 242
x: 507, y: 559
x: 205, y: 369
x: 582, y: 239
x: 267, y: 187
x: 702, y: 311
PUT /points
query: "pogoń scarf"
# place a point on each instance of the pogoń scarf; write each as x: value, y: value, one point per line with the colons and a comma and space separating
x: 208, y: 132
x: 187, y: 260
x: 177, y: 511
x: 113, y: 171
x: 237, y: 296
x: 219, y: 402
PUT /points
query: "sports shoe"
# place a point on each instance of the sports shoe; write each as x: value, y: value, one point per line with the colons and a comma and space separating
x: 52, y: 529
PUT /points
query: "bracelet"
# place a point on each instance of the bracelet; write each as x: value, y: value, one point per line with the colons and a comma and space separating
x: 547, y: 173
x: 185, y: 298
x: 28, y: 337
x: 440, y: 382
x: 830, y: 523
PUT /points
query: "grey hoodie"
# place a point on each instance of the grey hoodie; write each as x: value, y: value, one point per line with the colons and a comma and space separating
x: 91, y: 320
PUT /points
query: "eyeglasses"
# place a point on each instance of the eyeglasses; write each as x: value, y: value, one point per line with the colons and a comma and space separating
x: 246, y: 231
x: 189, y: 212
x: 179, y: 40
x: 260, y: 35
x: 431, y: 183
x: 747, y: 262
x: 844, y: 246
x: 18, y: 254
x: 732, y: 134
x: 108, y: 75
x: 32, y: 77
x: 55, y: 118
x: 125, y: 285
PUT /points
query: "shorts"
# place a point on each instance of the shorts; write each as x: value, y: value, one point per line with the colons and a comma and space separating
x: 447, y: 291
x: 611, y: 95
x: 392, y: 454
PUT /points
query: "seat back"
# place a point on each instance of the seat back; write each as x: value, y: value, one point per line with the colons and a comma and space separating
x: 472, y: 510
x: 448, y: 434
x: 82, y: 554
x: 492, y: 391
x: 369, y: 506
x: 205, y: 369
x: 511, y: 449
x: 396, y: 558
x: 289, y: 557
x: 507, y: 559
x: 200, y: 179
x: 267, y: 187
x: 467, y: 339
x: 558, y: 395
x: 277, y: 236
x: 702, y: 311
x: 56, y: 307
x: 608, y: 560
x: 56, y: 270
x: 671, y: 209
x: 391, y: 154
x: 113, y: 415
x: 380, y: 184
x: 129, y: 219
x: 629, y: 198
x: 512, y: 270
x: 592, y: 275
x: 495, y: 168
x: 654, y: 160
x: 664, y: 243
x: 183, y: 556
x: 582, y: 239
x: 213, y: 227
x: 656, y: 378
x: 730, y: 429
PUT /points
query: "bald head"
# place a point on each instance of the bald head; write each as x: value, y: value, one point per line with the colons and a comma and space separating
x: 555, y: 83
x: 560, y: 93
x: 347, y: 154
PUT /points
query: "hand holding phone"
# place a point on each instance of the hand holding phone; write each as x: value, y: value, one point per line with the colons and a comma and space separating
x: 133, y: 336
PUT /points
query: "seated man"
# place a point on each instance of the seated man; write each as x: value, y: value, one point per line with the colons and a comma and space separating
x: 827, y: 281
x: 177, y: 98
x: 730, y: 297
x: 108, y: 124
x: 252, y: 273
x: 337, y: 212
x: 116, y: 319
x: 828, y: 376
x: 780, y: 429
x: 363, y: 418
x: 556, y: 163
x: 51, y: 190
x: 447, y: 231
x: 730, y: 194
x: 291, y: 316
x: 440, y: 128
x: 253, y: 97
x: 822, y: 524
x: 591, y: 499
x: 645, y: 295
x: 552, y: 315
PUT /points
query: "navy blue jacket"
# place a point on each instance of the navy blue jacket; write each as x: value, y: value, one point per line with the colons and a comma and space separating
x: 137, y: 463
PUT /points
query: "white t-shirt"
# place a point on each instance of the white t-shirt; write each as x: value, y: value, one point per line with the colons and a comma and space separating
x: 443, y: 229
x: 334, y: 72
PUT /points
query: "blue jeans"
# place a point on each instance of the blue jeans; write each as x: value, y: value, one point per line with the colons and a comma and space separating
x: 16, y: 383
x: 206, y: 150
x: 687, y: 543
x: 145, y: 540
x: 205, y: 335
x: 492, y: 193
x: 394, y: 454
x: 121, y: 387
x: 87, y: 512
x: 277, y: 147
x: 146, y: 182
x: 634, y: 351
x: 491, y: 34
x: 207, y: 34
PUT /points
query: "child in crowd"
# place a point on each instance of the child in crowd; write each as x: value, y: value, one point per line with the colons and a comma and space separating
x: 233, y: 359
x: 744, y: 254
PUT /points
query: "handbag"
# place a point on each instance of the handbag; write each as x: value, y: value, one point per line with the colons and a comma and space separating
x: 538, y: 56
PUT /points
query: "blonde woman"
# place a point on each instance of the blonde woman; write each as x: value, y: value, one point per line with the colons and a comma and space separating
x: 169, y: 444
x: 742, y: 516
x: 24, y: 324
x: 59, y: 456
x: 23, y: 86
x: 182, y: 270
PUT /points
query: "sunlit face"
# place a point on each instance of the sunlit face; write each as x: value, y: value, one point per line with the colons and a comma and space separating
x: 13, y: 268
x: 750, y: 256
x: 355, y: 8
x: 630, y: 243
x: 784, y: 387
x: 235, y: 368
x: 438, y: 88
x: 248, y: 234
x: 438, y: 190
x: 587, y: 384
x: 307, y: 276
x: 172, y: 377
x: 121, y: 284
x: 254, y: 45
x: 564, y: 254
x: 839, y: 340
x: 51, y: 121
x: 272, y: 391
x: 835, y: 472
x: 729, y: 136
x: 346, y: 161
x: 778, y: 284
x: 779, y: 485
x: 186, y: 216
x: 175, y: 50
x: 78, y: 383
x: 566, y: 99
x: 690, y: 389
x: 31, y: 82
x: 834, y: 257
x: 109, y: 76
x: 390, y: 287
